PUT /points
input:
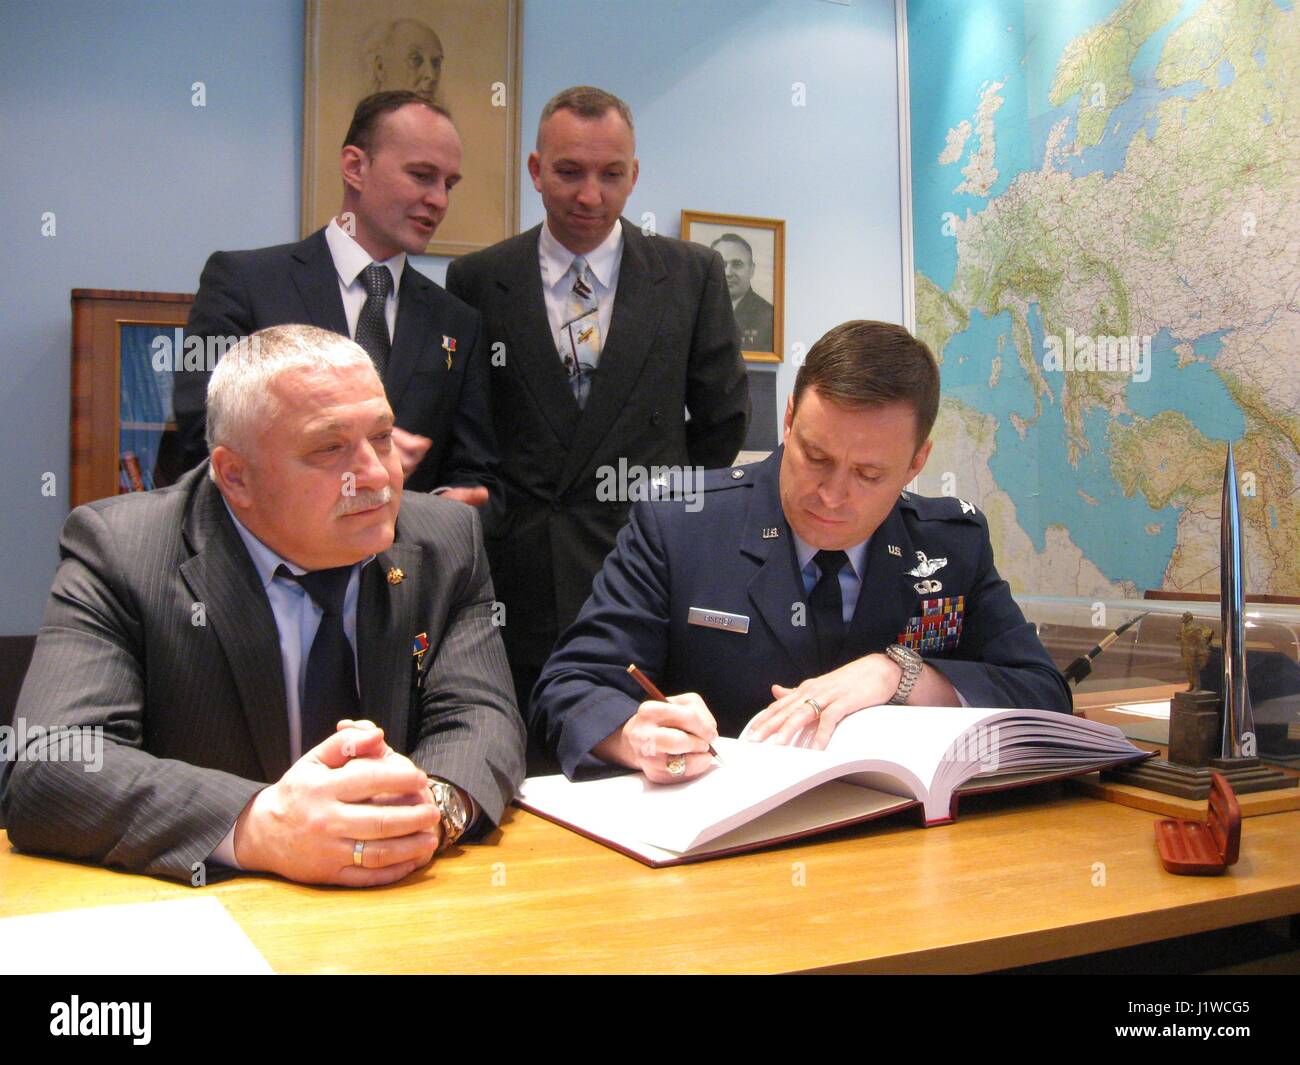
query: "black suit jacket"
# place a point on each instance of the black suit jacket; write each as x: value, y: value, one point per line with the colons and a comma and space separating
x: 734, y: 555
x: 672, y: 347
x: 243, y: 291
x: 158, y: 632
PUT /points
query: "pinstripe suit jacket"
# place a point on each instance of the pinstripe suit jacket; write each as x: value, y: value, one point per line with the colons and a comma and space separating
x: 159, y: 632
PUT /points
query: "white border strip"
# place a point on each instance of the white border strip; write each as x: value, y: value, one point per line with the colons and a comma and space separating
x: 905, y: 168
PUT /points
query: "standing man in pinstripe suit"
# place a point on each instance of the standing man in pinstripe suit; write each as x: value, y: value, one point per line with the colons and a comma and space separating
x: 278, y: 673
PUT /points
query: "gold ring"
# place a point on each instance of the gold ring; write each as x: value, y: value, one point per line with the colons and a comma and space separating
x: 677, y: 765
x: 817, y: 707
x: 358, y: 852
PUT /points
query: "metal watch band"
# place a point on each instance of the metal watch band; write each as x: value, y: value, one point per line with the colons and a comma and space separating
x: 911, y: 664
x: 451, y: 806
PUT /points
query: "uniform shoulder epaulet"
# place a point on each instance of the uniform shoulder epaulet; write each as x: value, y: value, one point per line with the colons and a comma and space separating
x: 728, y: 477
x: 939, y: 508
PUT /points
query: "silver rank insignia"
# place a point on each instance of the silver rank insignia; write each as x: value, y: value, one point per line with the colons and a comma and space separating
x: 926, y: 567
x: 966, y: 508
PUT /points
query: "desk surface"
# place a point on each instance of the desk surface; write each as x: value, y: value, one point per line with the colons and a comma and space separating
x: 1015, y: 880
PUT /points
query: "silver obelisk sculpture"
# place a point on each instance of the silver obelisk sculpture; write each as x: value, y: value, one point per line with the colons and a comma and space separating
x: 1238, y: 721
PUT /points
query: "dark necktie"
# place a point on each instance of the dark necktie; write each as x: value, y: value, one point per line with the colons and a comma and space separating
x: 372, y: 325
x: 828, y: 608
x: 331, y: 689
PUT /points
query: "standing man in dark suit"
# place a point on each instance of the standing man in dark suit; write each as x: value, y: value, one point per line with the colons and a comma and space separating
x: 264, y: 666
x: 602, y: 338
x: 805, y: 588
x: 400, y: 161
x: 754, y: 315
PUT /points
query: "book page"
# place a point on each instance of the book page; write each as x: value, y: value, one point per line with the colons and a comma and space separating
x: 593, y: 806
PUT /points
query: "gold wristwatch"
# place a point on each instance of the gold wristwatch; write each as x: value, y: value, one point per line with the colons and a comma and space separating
x: 455, y: 814
x: 910, y: 663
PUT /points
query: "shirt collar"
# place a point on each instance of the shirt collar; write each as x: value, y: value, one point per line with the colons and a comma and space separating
x: 350, y: 258
x: 857, y: 554
x: 266, y: 561
x: 603, y: 259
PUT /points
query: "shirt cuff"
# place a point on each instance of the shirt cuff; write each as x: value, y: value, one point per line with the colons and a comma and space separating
x: 225, y: 852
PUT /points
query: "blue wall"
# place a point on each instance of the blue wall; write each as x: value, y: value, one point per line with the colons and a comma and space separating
x: 100, y: 130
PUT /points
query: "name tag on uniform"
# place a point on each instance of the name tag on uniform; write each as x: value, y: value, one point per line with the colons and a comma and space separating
x: 717, y: 619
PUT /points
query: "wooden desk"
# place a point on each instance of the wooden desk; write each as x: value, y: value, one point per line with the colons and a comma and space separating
x: 1011, y: 883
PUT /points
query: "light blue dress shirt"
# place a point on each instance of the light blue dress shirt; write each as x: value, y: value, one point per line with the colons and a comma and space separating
x: 297, y: 617
x: 850, y: 575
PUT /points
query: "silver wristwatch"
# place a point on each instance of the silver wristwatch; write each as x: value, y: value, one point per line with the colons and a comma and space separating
x: 455, y: 815
x: 910, y: 662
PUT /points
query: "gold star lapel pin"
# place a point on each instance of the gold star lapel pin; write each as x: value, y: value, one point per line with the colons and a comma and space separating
x: 396, y: 576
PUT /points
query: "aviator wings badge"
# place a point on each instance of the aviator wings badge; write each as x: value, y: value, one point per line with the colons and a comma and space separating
x: 926, y: 567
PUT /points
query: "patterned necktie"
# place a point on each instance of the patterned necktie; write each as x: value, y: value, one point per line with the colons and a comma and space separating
x: 828, y: 608
x: 330, y: 692
x: 580, y: 345
x: 372, y: 325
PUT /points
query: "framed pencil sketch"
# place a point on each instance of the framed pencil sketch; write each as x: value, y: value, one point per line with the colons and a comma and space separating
x: 753, y: 253
x: 460, y: 54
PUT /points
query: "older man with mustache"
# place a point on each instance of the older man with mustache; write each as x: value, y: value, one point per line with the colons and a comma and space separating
x: 288, y: 677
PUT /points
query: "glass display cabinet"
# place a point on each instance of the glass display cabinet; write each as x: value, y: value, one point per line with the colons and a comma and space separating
x: 1132, y: 679
x: 124, y: 346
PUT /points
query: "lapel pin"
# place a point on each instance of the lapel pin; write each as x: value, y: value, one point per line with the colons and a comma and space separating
x: 396, y: 576
x: 893, y: 550
x: 419, y: 647
x: 449, y: 346
x: 771, y: 534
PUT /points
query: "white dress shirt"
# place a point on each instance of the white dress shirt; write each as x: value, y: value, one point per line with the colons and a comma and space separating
x: 350, y: 258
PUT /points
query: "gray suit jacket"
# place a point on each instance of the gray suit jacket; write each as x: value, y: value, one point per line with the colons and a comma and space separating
x: 158, y: 632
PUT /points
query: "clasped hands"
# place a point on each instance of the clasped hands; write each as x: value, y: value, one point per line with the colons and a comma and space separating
x: 351, y: 788
x: 683, y: 725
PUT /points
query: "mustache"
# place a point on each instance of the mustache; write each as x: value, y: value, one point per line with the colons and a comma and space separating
x: 363, y: 500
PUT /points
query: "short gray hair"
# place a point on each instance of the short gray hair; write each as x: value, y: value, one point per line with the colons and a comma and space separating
x: 585, y: 101
x: 240, y: 400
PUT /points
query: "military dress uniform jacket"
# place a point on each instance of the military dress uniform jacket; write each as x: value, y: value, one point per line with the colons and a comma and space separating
x: 711, y: 602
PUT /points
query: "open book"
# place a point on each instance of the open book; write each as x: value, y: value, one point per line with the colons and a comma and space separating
x: 879, y: 761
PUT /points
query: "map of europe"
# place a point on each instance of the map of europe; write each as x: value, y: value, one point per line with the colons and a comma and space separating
x: 1106, y: 232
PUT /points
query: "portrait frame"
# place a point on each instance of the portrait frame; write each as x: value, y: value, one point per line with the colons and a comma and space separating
x: 766, y: 238
x: 477, y: 82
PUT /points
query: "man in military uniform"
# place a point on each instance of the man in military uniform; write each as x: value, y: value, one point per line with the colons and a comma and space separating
x: 754, y: 315
x: 806, y: 587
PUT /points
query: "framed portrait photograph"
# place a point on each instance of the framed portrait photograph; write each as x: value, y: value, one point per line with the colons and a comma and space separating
x: 460, y: 54
x: 753, y: 253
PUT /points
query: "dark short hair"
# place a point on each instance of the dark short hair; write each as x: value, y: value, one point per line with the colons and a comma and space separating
x: 585, y: 101
x: 735, y: 238
x: 371, y: 111
x: 869, y: 364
